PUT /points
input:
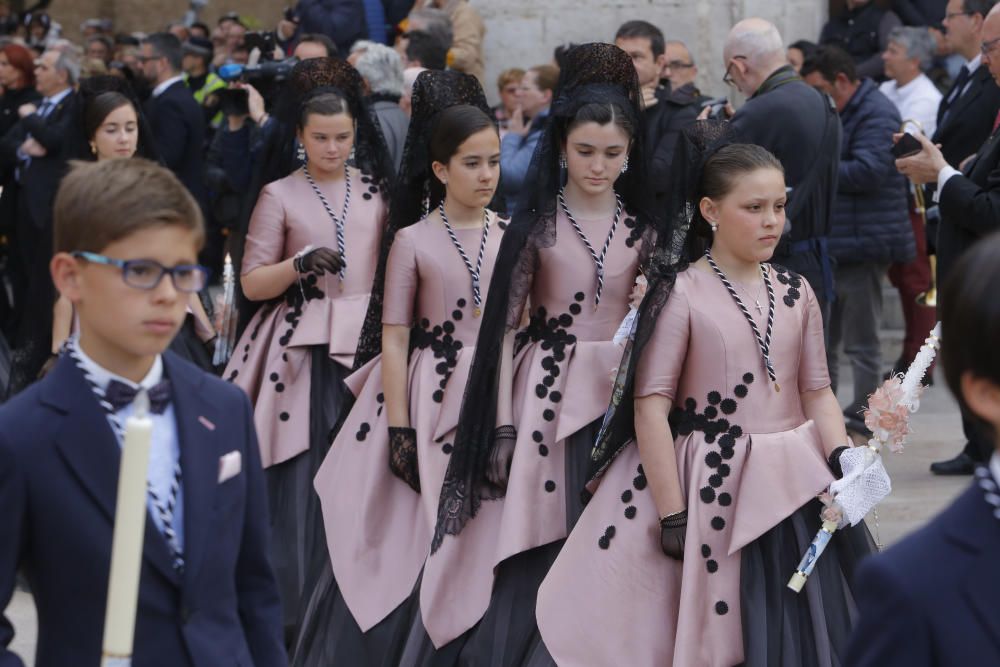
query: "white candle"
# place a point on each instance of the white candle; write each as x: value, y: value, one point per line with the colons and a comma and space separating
x: 126, y: 547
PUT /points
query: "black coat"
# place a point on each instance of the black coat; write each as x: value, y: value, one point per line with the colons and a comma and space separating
x: 862, y: 32
x: 931, y: 600
x: 665, y: 120
x: 800, y: 126
x: 178, y: 124
x: 60, y: 135
x: 970, y: 206
x: 970, y: 119
x: 920, y: 12
x: 9, y: 103
x: 343, y: 21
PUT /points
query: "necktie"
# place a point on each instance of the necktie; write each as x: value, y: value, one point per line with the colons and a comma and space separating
x: 119, y: 395
x: 956, y: 90
x: 44, y: 110
x: 996, y: 123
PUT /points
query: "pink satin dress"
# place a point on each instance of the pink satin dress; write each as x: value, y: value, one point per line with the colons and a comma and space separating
x: 272, y: 361
x: 748, y: 458
x: 378, y: 529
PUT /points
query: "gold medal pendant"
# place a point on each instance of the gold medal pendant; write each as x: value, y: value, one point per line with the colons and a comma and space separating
x: 476, y: 312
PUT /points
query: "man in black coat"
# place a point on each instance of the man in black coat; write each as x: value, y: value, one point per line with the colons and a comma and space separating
x: 969, y: 203
x: 666, y: 113
x: 33, y: 157
x: 965, y: 116
x: 965, y: 122
x: 862, y: 31
x: 176, y: 117
x: 800, y: 126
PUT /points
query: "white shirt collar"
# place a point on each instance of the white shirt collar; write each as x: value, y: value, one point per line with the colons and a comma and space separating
x: 995, y: 466
x: 974, y: 64
x: 166, y: 84
x: 103, y: 377
x: 58, y: 97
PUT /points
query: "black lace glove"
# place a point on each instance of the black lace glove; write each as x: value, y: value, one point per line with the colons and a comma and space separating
x: 834, y: 461
x: 504, y: 439
x: 673, y: 529
x: 403, y: 456
x: 319, y: 261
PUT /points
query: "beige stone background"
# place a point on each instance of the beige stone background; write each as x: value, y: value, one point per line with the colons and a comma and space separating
x: 520, y: 33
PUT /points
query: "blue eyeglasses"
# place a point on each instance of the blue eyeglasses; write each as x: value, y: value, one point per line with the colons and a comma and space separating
x: 146, y: 274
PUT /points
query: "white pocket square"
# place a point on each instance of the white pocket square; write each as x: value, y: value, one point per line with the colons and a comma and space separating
x: 230, y: 465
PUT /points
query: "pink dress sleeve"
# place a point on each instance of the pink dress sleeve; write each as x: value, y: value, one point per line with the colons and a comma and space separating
x: 662, y: 361
x: 265, y: 242
x: 813, y: 372
x: 400, y: 282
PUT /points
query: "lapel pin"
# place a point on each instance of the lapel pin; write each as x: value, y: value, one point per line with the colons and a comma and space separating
x: 206, y: 423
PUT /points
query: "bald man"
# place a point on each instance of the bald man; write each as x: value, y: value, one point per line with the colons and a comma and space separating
x: 800, y: 126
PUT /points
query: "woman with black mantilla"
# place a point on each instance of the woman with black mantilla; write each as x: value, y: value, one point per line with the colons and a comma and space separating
x: 310, y: 256
x: 573, y: 252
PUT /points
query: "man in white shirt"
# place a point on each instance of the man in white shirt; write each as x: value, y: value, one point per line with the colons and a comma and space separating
x: 909, y: 53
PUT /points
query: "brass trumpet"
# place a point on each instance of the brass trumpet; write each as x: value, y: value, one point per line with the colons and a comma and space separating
x: 928, y: 298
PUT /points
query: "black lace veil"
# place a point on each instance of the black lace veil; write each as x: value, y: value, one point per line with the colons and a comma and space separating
x: 685, y: 241
x: 415, y: 191
x: 592, y: 73
x: 278, y: 157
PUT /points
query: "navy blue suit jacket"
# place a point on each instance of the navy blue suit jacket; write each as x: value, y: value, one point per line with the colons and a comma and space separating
x: 58, y: 481
x: 933, y: 599
x: 178, y: 124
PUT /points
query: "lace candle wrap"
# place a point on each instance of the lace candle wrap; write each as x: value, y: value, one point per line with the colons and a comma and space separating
x: 865, y: 482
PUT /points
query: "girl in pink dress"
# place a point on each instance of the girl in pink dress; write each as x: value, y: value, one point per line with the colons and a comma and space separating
x: 380, y: 482
x: 310, y: 257
x: 567, y: 267
x: 684, y: 552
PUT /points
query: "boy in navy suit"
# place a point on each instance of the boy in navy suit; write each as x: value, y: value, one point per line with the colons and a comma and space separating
x: 127, y: 236
x: 934, y: 599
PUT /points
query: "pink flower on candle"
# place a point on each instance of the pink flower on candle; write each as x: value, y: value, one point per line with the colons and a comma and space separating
x: 888, y: 416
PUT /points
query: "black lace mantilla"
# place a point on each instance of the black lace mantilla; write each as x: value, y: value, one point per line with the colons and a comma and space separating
x: 416, y: 189
x: 591, y: 74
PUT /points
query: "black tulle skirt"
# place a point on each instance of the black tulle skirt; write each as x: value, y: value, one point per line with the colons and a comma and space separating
x: 298, y: 539
x: 782, y: 628
x: 507, y: 635
x: 329, y: 635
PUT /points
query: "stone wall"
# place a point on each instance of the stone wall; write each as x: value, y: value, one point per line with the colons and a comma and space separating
x: 520, y: 33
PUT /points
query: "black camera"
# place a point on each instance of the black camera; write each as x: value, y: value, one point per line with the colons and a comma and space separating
x: 266, y: 71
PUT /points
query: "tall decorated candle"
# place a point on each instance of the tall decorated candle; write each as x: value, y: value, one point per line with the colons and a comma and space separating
x: 126, y: 548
